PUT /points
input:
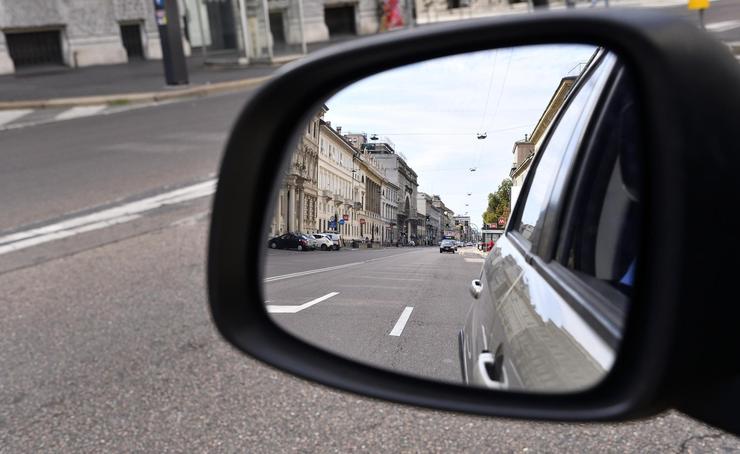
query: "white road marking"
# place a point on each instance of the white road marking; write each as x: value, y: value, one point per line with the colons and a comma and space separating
x: 475, y: 260
x: 401, y: 323
x: 723, y: 26
x: 102, y: 219
x: 80, y: 111
x: 6, y: 116
x: 275, y: 309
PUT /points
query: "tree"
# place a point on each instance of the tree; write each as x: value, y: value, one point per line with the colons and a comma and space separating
x: 499, y: 203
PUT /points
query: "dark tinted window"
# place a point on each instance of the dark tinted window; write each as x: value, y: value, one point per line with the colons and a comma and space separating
x: 604, y: 231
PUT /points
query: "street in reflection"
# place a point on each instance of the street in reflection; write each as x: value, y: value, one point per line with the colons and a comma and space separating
x: 398, y: 193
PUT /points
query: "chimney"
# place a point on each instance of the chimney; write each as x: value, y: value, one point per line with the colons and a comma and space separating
x: 339, y: 129
x: 328, y: 123
x: 525, y: 137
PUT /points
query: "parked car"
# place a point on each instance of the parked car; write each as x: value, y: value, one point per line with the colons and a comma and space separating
x: 323, y: 242
x: 335, y: 238
x: 289, y: 241
x: 447, y: 246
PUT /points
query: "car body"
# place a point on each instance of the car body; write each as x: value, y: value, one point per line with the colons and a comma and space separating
x: 323, y: 242
x: 335, y: 238
x: 313, y: 244
x: 519, y: 321
x: 447, y: 246
x: 289, y: 240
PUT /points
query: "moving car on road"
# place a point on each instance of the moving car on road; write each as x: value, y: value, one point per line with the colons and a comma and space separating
x: 447, y: 246
x: 289, y: 241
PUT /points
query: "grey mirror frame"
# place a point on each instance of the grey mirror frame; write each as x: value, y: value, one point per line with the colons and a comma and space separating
x: 647, y: 377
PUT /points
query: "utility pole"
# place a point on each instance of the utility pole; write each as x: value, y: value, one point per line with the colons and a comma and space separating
x: 170, y: 35
x: 245, y: 31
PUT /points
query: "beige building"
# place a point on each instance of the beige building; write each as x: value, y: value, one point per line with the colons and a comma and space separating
x: 525, y: 150
x: 341, y: 189
x: 298, y: 199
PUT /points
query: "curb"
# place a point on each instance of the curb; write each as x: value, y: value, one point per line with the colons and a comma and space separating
x: 132, y: 98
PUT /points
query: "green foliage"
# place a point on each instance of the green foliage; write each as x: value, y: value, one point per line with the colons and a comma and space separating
x: 498, y: 203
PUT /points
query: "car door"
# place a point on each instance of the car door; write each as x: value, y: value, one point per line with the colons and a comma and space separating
x: 524, y: 331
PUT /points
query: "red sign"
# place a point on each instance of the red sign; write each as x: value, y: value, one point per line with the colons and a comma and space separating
x: 362, y: 220
x: 345, y: 217
x: 501, y: 221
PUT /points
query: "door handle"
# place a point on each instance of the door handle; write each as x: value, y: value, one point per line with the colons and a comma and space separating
x: 491, y: 374
x: 476, y: 287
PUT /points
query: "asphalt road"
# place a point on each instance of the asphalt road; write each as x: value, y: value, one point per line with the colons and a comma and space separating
x: 106, y: 343
x: 397, y: 308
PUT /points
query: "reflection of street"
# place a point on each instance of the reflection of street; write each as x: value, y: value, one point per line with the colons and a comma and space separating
x: 398, y: 308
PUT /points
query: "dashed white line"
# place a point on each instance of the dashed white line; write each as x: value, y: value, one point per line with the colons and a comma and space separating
x: 275, y: 309
x: 401, y: 323
x: 103, y: 218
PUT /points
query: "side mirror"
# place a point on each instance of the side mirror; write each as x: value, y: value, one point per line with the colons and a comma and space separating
x: 646, y: 307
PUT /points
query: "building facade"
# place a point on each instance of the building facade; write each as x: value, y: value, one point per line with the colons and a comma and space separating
x: 297, y: 206
x: 76, y: 33
x: 389, y: 211
x: 429, y: 230
x: 525, y: 150
x: 403, y: 176
x: 340, y: 187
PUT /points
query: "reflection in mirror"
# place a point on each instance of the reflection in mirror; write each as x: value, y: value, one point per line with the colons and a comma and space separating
x: 413, y: 198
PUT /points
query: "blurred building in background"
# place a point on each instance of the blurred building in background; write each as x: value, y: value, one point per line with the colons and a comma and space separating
x: 78, y: 33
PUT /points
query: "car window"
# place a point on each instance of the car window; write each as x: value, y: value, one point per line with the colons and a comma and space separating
x: 560, y: 149
x: 602, y: 239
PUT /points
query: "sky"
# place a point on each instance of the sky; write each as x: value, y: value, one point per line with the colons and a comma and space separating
x: 433, y: 111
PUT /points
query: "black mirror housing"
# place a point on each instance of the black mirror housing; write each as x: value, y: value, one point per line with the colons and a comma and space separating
x: 680, y: 348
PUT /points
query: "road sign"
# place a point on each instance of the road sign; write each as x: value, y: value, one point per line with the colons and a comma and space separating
x: 345, y: 217
x: 341, y: 222
x: 501, y: 221
x: 698, y: 4
x: 362, y: 220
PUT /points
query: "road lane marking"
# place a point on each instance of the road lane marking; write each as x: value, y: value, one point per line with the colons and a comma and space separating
x: 723, y: 26
x: 401, y: 323
x: 328, y: 268
x: 80, y: 111
x: 475, y: 260
x: 275, y: 309
x: 7, y: 116
x: 103, y: 218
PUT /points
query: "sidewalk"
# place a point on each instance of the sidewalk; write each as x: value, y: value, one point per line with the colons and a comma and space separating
x: 143, y: 81
x: 138, y: 81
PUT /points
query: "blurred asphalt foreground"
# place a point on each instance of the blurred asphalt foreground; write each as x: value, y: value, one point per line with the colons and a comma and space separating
x: 143, y: 81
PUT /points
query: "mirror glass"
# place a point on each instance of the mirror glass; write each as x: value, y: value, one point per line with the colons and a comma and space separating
x: 469, y: 219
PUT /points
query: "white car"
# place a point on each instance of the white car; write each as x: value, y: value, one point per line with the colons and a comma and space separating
x: 335, y: 238
x: 323, y: 242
